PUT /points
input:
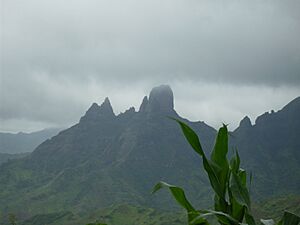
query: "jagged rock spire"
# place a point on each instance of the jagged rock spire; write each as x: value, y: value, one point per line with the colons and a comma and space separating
x: 96, y: 112
x: 106, y: 108
x: 144, y: 104
x: 161, y: 99
x: 245, y: 122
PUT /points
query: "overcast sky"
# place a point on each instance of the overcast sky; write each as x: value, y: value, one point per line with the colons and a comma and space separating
x: 223, y: 59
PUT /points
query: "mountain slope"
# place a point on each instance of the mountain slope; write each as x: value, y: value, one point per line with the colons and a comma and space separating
x: 4, y: 157
x: 271, y: 150
x: 107, y: 159
x: 110, y: 159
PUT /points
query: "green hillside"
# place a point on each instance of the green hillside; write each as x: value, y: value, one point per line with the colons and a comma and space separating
x: 5, y: 157
x: 137, y: 215
x: 273, y: 208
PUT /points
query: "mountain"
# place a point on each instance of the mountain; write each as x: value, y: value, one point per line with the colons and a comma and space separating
x: 24, y: 142
x: 271, y: 150
x: 107, y: 159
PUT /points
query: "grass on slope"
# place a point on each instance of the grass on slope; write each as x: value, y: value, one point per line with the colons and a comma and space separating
x: 273, y: 208
x: 116, y: 215
x: 135, y: 215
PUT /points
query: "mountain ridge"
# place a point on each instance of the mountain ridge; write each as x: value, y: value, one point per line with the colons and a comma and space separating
x: 110, y: 159
x: 21, y: 142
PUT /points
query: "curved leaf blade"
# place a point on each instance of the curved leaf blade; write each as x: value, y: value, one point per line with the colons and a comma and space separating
x: 223, y: 217
x: 178, y: 194
x: 239, y: 191
x: 191, y: 137
x: 211, y: 170
x: 219, y: 157
x: 289, y: 219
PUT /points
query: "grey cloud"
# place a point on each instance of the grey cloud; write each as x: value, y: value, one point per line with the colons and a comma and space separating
x: 58, y: 56
x: 233, y: 42
x: 216, y: 103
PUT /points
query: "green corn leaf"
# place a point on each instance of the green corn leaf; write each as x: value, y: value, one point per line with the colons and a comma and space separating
x: 222, y: 206
x: 177, y: 193
x: 224, y: 218
x: 211, y: 170
x: 267, y: 222
x: 289, y: 219
x: 250, y: 182
x: 249, y: 218
x: 235, y: 162
x: 239, y: 190
x: 191, y: 137
x: 219, y: 157
x: 237, y: 210
x: 193, y: 140
x: 242, y: 176
x: 219, y: 153
x: 196, y: 219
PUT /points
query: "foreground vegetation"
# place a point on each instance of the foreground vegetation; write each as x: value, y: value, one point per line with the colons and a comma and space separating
x: 124, y: 214
x: 232, y: 203
x: 136, y: 215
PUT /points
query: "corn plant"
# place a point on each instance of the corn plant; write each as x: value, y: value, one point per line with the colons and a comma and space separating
x: 12, y: 219
x: 232, y: 204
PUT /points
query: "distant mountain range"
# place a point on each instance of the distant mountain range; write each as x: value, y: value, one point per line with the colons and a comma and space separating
x: 24, y: 142
x: 109, y: 159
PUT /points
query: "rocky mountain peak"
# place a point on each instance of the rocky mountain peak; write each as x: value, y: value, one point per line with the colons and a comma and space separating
x: 161, y: 99
x: 94, y: 107
x: 144, y: 104
x: 96, y: 112
x: 245, y: 122
x: 106, y: 108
